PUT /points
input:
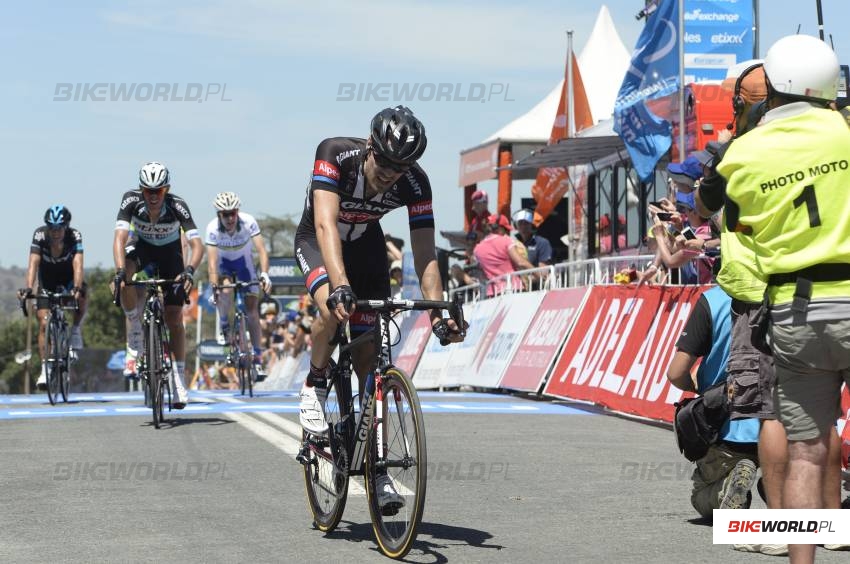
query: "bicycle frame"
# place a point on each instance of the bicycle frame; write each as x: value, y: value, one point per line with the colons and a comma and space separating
x: 154, y: 315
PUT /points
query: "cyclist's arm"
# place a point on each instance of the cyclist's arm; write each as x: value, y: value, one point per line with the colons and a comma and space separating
x: 184, y: 244
x: 32, y: 269
x: 197, y: 247
x: 119, y: 241
x: 425, y: 263
x: 262, y: 254
x: 78, y: 270
x: 325, y: 214
x: 212, y: 264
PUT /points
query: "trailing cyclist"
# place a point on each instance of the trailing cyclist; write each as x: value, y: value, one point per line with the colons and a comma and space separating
x: 231, y: 238
x: 157, y: 217
x: 56, y: 261
x: 341, y: 250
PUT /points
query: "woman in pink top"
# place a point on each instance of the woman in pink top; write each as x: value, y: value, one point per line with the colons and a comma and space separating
x: 498, y: 254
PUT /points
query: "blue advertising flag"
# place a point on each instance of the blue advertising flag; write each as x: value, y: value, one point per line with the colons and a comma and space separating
x: 718, y: 35
x: 653, y: 73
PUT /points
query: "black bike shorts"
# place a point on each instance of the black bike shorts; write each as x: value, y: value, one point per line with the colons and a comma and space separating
x: 160, y: 262
x: 365, y: 262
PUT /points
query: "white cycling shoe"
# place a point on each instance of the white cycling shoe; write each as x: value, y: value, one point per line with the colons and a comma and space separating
x: 389, y: 500
x: 312, y: 416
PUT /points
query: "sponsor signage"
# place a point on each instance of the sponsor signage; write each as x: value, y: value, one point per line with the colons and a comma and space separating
x: 717, y: 35
x: 620, y: 347
x: 284, y: 271
x: 479, y: 164
x: 542, y: 340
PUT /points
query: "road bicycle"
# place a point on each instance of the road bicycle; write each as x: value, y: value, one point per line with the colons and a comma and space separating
x: 385, y: 436
x: 57, y: 342
x: 154, y: 363
x: 241, y: 351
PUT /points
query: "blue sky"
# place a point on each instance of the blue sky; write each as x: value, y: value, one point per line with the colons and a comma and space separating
x: 282, y: 63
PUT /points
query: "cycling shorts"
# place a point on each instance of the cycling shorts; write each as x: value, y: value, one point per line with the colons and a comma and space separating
x: 365, y: 262
x: 160, y: 262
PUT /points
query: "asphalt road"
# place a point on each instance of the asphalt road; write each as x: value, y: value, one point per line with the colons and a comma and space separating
x: 510, y: 480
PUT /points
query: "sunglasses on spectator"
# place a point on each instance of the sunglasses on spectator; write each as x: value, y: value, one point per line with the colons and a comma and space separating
x: 386, y: 163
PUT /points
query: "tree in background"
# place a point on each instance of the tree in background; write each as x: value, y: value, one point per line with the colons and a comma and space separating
x: 104, y: 323
x: 279, y: 234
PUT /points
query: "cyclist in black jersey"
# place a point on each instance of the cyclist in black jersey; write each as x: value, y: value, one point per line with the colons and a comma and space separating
x: 157, y: 218
x: 56, y: 262
x: 341, y: 250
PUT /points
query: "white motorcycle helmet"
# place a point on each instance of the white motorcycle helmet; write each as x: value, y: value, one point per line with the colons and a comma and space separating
x: 803, y: 67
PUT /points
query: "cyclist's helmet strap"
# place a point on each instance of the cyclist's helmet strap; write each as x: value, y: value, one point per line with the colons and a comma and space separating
x: 57, y: 215
x: 397, y: 135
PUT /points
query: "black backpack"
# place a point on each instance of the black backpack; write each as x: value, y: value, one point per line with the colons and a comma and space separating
x: 698, y: 421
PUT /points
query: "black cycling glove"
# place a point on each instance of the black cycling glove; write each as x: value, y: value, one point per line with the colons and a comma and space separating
x: 341, y: 295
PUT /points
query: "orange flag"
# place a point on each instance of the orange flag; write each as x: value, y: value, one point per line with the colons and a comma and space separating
x: 552, y: 183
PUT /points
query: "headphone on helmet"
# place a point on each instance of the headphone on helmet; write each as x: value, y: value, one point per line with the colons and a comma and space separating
x: 738, y: 102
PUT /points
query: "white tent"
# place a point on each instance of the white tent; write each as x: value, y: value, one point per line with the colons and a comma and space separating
x: 603, y: 63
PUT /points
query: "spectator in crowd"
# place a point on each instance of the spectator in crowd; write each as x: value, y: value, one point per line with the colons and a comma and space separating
x: 538, y: 249
x: 480, y: 214
x: 606, y: 237
x: 394, y: 247
x: 724, y: 477
x: 799, y: 235
x: 459, y: 277
x: 395, y: 278
x: 499, y: 254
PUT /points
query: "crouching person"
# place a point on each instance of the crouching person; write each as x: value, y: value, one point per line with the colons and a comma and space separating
x: 725, y: 475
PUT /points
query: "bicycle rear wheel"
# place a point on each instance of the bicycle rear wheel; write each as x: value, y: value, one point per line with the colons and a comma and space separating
x: 404, y: 460
x: 53, y: 364
x: 326, y: 482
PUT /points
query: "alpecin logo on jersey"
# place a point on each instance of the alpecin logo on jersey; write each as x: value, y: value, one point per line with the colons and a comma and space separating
x: 421, y: 208
x: 326, y: 169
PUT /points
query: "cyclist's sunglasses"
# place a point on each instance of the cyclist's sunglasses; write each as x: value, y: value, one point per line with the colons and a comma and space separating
x: 386, y: 163
x: 228, y: 214
x: 55, y: 226
x: 155, y: 191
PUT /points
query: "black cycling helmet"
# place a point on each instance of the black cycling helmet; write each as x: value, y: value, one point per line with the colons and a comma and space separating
x: 397, y: 135
x: 57, y: 215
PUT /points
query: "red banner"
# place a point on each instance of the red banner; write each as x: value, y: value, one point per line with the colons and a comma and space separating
x: 415, y: 331
x: 541, y: 341
x: 620, y: 347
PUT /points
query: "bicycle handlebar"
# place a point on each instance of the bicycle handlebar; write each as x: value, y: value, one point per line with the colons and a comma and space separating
x: 52, y: 296
x: 455, y: 307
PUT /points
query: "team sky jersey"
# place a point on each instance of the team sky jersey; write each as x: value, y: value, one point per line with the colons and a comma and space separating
x: 173, y: 216
x: 339, y: 169
x: 787, y: 182
x: 238, y: 245
x: 56, y: 270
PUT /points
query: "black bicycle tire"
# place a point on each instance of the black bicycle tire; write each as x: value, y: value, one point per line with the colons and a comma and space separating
x: 153, y: 362
x: 327, y: 520
x: 236, y: 352
x: 65, y: 374
x: 394, y: 540
x: 51, y: 365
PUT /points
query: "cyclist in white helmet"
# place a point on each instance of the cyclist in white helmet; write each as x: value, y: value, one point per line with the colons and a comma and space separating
x: 157, y: 217
x: 231, y: 239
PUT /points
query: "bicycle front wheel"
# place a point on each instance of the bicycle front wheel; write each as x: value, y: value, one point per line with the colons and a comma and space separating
x: 326, y: 482
x: 153, y: 364
x: 403, y: 458
x: 65, y: 379
x: 53, y: 363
